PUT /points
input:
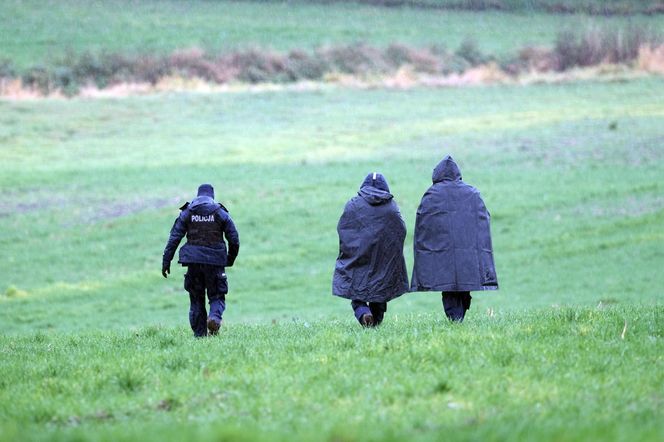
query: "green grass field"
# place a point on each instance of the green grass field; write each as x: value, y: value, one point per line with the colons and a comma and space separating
x: 91, y: 188
x: 95, y: 344
x: 545, y: 375
x: 32, y: 35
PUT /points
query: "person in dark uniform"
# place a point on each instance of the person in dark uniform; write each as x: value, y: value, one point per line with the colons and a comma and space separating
x: 370, y: 269
x: 205, y: 223
x: 453, y: 251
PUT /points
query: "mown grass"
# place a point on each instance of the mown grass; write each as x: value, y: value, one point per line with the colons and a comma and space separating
x: 545, y: 374
x: 90, y: 188
x: 33, y: 34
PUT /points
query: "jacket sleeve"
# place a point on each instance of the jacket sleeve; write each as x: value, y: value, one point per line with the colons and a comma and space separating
x: 178, y: 231
x: 233, y: 239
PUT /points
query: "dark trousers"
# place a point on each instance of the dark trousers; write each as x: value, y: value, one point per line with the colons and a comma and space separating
x: 376, y: 309
x: 199, y: 279
x: 456, y: 304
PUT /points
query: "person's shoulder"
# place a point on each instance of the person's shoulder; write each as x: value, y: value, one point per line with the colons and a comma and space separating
x: 357, y: 202
x: 354, y: 200
x: 393, y: 207
x: 222, y: 212
x: 353, y: 204
x: 437, y: 187
x: 468, y: 187
x: 434, y: 190
x: 184, y: 210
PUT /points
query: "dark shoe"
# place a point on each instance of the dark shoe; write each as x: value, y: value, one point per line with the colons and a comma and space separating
x: 378, y: 312
x: 213, y: 326
x: 367, y: 320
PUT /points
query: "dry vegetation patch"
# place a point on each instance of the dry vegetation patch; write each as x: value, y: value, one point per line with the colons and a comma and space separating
x: 396, y: 65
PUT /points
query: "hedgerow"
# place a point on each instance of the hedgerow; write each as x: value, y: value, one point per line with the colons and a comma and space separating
x: 589, y: 47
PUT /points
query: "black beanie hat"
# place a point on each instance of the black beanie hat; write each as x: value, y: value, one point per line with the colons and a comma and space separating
x: 206, y: 190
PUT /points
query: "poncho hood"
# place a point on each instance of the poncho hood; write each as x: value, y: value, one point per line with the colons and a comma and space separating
x: 374, y: 189
x: 446, y: 170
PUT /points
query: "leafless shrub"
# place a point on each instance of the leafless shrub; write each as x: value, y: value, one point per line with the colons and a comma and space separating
x: 421, y: 60
x: 194, y: 62
x: 590, y: 47
x: 149, y: 68
x: 537, y: 59
x: 358, y: 59
x: 256, y: 66
x: 37, y: 77
x: 601, y: 45
x: 469, y: 51
x: 301, y: 65
x: 657, y: 8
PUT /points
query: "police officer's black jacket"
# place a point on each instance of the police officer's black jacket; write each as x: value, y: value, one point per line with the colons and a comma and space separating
x: 204, y: 222
x: 452, y: 244
x: 371, y: 265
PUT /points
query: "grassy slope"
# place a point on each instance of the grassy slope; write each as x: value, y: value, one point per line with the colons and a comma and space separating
x: 91, y: 188
x: 32, y: 33
x: 99, y: 345
x: 545, y: 375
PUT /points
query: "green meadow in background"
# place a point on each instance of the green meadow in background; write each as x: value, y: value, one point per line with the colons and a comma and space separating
x: 34, y: 34
x: 571, y: 175
x: 95, y: 343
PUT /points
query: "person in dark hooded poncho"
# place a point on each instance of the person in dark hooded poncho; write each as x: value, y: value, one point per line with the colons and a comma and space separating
x: 370, y: 269
x: 453, y: 251
x: 205, y: 222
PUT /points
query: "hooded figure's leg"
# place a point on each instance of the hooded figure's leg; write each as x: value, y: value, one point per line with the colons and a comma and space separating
x: 466, y: 301
x: 362, y: 313
x: 217, y: 287
x: 456, y: 304
x: 378, y: 310
x: 194, y: 283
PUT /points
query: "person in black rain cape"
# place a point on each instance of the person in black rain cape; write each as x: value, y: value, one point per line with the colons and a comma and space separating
x: 453, y: 252
x: 205, y: 222
x: 370, y: 269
